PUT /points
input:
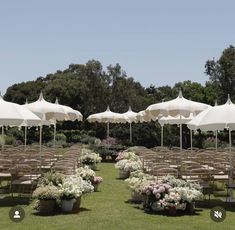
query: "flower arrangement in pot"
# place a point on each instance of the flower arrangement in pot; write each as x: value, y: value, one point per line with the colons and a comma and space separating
x: 126, y: 155
x: 47, y: 196
x: 187, y: 191
x: 87, y: 188
x: 51, y: 178
x: 170, y: 194
x: 136, y: 182
x: 126, y: 166
x: 90, y: 158
x: 154, y: 192
x: 85, y: 173
x: 179, y: 197
x: 70, y: 190
x: 96, y: 182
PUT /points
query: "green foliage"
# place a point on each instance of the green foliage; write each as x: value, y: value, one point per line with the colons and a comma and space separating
x: 51, y: 178
x: 47, y: 192
x: 10, y: 140
x: 86, y: 139
x: 89, y: 88
x: 60, y: 137
x: 222, y: 73
x: 16, y: 132
x: 73, y: 136
x: 60, y: 143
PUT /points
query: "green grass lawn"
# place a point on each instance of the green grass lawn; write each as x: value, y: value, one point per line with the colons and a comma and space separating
x: 109, y: 209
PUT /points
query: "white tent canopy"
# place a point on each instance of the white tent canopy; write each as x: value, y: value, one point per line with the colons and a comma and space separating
x: 179, y: 120
x: 108, y: 117
x: 46, y: 111
x: 132, y: 117
x: 72, y: 114
x: 13, y: 114
x: 142, y: 116
x: 175, y: 120
x: 216, y: 118
x: 178, y: 106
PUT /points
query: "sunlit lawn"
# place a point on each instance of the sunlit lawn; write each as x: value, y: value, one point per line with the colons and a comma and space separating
x: 109, y: 209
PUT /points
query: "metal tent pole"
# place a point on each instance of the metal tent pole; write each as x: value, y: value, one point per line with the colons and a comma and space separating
x: 130, y: 133
x: 3, y: 140
x: 216, y: 140
x: 54, y: 141
x: 191, y: 140
x: 25, y: 138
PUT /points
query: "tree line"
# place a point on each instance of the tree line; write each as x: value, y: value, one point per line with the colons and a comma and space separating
x: 89, y: 88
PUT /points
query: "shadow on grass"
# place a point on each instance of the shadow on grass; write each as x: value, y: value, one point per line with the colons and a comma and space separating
x: 8, y: 201
x: 109, y: 161
x: 179, y: 213
x: 59, y: 212
x: 200, y: 205
x: 228, y: 206
x: 130, y: 201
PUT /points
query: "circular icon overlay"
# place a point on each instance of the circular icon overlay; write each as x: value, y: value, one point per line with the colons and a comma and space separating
x: 218, y: 214
x: 16, y: 214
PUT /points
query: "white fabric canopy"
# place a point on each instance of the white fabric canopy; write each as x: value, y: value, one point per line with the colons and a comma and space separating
x: 13, y: 114
x: 177, y: 106
x: 179, y: 120
x: 142, y: 116
x: 46, y: 111
x: 72, y: 114
x: 216, y: 118
x: 132, y: 117
x: 175, y: 120
x: 108, y: 117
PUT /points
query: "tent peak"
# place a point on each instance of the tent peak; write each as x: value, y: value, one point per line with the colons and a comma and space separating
x: 180, y: 94
x: 56, y: 101
x: 129, y: 109
x: 26, y: 101
x: 229, y: 102
x: 41, y: 97
x: 108, y: 108
x: 216, y: 103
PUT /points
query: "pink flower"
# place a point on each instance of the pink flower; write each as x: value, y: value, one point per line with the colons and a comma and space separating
x: 97, y: 180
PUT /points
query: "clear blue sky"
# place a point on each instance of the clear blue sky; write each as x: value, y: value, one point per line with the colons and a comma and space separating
x: 156, y: 42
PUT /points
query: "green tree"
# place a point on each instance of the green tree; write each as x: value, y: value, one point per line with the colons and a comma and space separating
x: 222, y: 73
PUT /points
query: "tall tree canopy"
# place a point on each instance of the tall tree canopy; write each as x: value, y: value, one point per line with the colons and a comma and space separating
x: 222, y: 74
x: 89, y: 88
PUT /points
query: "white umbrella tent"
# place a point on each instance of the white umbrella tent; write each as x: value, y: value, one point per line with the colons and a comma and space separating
x: 178, y: 106
x: 216, y: 118
x: 108, y: 117
x: 131, y: 118
x: 179, y: 120
x: 46, y: 111
x: 13, y: 114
